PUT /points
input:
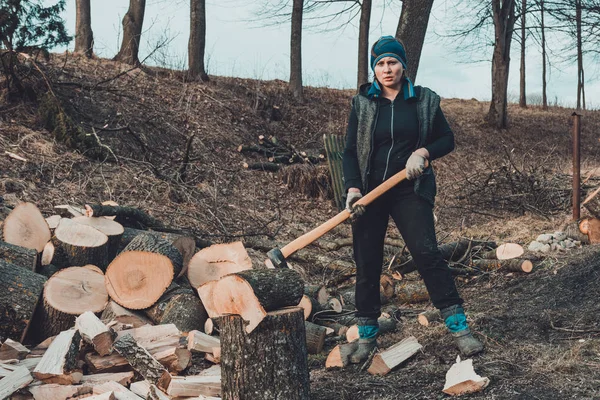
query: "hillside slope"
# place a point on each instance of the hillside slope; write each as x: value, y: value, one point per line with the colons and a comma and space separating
x: 504, y: 185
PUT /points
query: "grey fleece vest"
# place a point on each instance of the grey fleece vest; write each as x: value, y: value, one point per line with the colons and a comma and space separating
x: 366, y: 112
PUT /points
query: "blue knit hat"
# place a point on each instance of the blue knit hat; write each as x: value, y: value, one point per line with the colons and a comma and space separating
x: 389, y: 46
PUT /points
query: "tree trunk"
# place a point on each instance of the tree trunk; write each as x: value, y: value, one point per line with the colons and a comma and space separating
x: 543, y: 28
x: 197, y: 40
x: 20, y: 256
x: 113, y: 230
x: 269, y: 363
x: 504, y: 21
x: 296, y: 51
x: 20, y: 290
x: 411, y: 30
x: 132, y: 31
x: 84, y: 38
x: 363, y: 43
x: 579, y: 55
x: 523, y: 95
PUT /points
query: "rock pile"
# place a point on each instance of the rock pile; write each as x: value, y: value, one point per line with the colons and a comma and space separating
x: 549, y: 242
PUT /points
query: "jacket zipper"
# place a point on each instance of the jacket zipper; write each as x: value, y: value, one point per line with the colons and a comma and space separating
x: 387, y: 162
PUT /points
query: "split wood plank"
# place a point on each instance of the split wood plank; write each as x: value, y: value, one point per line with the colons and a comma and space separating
x: 120, y: 391
x: 94, y: 332
x: 142, y: 361
x: 124, y: 378
x: 16, y: 380
x: 118, y: 313
x: 54, y: 391
x: 201, y: 342
x: 387, y: 360
x: 140, y: 388
x: 13, y: 350
x: 29, y: 363
x: 193, y: 386
x: 59, y: 362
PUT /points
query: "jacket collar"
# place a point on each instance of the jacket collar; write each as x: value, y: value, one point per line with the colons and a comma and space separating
x: 373, y: 90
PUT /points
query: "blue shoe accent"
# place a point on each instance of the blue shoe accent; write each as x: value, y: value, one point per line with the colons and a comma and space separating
x: 368, y: 331
x: 457, y: 322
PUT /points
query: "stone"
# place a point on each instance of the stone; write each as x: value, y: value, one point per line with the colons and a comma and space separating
x: 544, y: 238
x: 559, y: 235
x: 535, y: 246
x: 545, y: 248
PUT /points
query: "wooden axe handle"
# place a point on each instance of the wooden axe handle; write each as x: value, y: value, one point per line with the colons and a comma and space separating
x: 320, y: 230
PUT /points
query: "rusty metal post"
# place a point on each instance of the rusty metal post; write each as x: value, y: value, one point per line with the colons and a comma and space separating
x: 576, y: 164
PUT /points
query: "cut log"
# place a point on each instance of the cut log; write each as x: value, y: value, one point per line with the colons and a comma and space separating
x: 339, y: 357
x: 130, y: 233
x: 120, y: 391
x: 389, y: 359
x: 572, y: 230
x: 20, y: 290
x: 59, y: 363
x: 252, y: 294
x: 113, y: 230
x: 67, y: 211
x: 54, y: 391
x: 310, y: 305
x: 19, y: 256
x: 336, y: 328
x: 315, y: 337
x: 140, y: 388
x: 271, y: 361
x: 594, y: 230
x: 26, y: 227
x: 53, y: 222
x: 313, y: 308
x: 13, y: 350
x: 592, y: 203
x: 142, y: 272
x: 82, y: 244
x: 141, y: 361
x: 386, y: 325
x: 115, y: 312
x: 513, y: 265
x: 16, y: 380
x: 406, y: 291
x: 584, y: 226
x: 194, y: 386
x: 68, y: 294
x: 124, y: 378
x: 317, y: 292
x: 179, y: 306
x: 47, y: 254
x: 187, y: 247
x: 216, y: 261
x: 428, y: 317
x: 94, y: 332
x: 262, y: 166
x: 462, y: 379
x: 505, y: 251
x: 174, y: 359
x: 201, y: 342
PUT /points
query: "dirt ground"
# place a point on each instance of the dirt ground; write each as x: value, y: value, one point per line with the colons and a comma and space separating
x: 541, y: 330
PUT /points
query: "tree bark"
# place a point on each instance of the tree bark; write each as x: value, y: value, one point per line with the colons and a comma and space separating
x: 82, y: 244
x: 132, y: 31
x: 197, y: 40
x: 411, y: 30
x: 522, y: 86
x: 270, y: 363
x: 543, y: 31
x: 20, y: 256
x: 20, y: 290
x: 296, y: 51
x: 179, y: 306
x: 363, y: 43
x: 504, y: 21
x: 84, y: 38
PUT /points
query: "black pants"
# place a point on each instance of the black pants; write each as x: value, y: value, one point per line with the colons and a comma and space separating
x: 414, y: 218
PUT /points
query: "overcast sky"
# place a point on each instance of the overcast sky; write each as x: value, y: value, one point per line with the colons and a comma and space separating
x: 236, y: 46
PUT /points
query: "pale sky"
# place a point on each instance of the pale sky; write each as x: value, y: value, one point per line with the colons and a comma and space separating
x: 237, y: 47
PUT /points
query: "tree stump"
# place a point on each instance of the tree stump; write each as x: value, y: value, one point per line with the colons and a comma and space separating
x: 82, y: 244
x: 268, y: 363
x: 138, y: 276
x: 252, y: 294
x: 25, y: 226
x: 179, y: 306
x: 113, y: 230
x: 68, y: 294
x: 18, y: 255
x: 20, y: 290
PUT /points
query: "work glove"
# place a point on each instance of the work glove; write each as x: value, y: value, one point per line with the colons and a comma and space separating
x: 355, y: 211
x: 415, y: 166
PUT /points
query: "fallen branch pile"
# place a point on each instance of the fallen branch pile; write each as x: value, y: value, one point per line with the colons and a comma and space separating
x: 276, y: 154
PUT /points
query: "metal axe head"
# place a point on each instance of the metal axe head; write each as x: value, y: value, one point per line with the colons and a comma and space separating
x: 277, y: 258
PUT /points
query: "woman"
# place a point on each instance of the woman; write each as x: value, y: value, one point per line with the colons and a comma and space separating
x: 394, y: 126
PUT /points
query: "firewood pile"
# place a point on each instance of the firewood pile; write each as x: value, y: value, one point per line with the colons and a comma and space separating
x: 275, y: 154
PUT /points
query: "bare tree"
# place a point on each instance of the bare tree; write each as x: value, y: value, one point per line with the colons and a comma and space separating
x: 580, y: 78
x: 363, y: 43
x: 84, y: 38
x: 132, y: 31
x: 544, y: 62
x: 197, y: 40
x: 296, y: 50
x: 503, y: 12
x: 411, y: 30
x: 522, y: 83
